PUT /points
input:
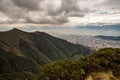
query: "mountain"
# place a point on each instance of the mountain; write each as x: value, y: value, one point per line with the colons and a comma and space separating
x: 25, y: 52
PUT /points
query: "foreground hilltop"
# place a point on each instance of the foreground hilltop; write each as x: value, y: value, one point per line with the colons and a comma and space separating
x: 22, y: 51
x: 103, y: 64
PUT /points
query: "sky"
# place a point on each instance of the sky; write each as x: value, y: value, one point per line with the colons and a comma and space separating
x: 25, y: 13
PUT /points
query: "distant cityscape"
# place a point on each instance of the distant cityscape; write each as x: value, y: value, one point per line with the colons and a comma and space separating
x: 92, y: 42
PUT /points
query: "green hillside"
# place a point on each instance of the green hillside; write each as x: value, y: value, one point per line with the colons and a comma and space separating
x: 26, y: 52
x: 104, y: 64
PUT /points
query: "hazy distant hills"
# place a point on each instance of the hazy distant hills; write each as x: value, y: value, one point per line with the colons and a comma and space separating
x: 22, y: 51
x: 117, y: 38
x: 101, y: 27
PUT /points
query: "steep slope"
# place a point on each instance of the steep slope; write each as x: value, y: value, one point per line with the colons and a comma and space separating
x: 22, y: 51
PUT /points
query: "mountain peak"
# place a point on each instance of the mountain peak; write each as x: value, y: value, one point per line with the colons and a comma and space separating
x: 14, y: 36
x: 15, y: 29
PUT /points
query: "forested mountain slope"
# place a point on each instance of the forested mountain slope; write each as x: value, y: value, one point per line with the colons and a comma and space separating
x: 22, y: 51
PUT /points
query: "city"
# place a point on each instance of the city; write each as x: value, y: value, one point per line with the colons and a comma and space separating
x: 92, y: 42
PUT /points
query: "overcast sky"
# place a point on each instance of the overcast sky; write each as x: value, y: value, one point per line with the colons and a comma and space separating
x: 58, y: 12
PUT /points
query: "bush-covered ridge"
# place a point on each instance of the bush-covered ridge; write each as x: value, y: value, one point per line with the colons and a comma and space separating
x: 62, y: 70
x: 107, y: 59
x: 104, y: 60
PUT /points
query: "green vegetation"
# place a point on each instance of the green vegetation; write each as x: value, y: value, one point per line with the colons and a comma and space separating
x: 62, y: 70
x: 107, y: 59
x: 18, y: 76
x: 10, y: 62
x: 27, y: 52
x: 22, y: 54
x: 104, y: 60
x: 56, y: 48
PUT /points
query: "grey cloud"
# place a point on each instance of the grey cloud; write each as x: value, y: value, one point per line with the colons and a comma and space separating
x: 69, y: 5
x: 69, y: 8
x: 48, y: 12
x: 28, y: 4
x: 60, y: 20
x: 10, y: 10
x: 109, y: 5
x: 48, y: 20
x: 75, y: 14
x: 113, y: 2
x: 18, y: 10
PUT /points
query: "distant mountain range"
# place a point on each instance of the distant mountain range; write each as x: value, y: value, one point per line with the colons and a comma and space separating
x: 117, y: 38
x: 101, y: 27
x: 22, y: 51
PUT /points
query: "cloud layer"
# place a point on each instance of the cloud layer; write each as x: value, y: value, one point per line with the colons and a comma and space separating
x: 55, y: 12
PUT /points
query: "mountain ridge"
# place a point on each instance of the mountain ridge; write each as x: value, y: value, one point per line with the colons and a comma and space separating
x: 28, y: 51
